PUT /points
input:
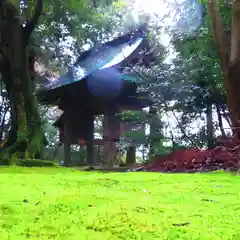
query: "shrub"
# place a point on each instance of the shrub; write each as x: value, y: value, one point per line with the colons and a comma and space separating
x: 36, y: 163
x: 9, y: 161
x: 28, y: 162
x: 4, y: 162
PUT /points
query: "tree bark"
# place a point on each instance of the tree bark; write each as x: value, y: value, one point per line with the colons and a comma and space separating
x: 234, y: 63
x: 235, y: 32
x: 25, y: 139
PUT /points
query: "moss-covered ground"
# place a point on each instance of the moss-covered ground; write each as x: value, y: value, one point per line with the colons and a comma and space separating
x: 64, y: 203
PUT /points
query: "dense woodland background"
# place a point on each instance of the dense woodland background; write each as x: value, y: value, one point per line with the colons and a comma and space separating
x: 188, y: 82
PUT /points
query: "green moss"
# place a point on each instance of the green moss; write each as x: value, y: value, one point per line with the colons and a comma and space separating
x: 65, y: 203
x: 35, y: 146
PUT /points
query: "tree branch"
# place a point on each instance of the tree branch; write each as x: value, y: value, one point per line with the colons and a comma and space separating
x: 32, y: 23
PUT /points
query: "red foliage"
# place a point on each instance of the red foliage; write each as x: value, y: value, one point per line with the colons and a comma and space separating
x: 225, y: 157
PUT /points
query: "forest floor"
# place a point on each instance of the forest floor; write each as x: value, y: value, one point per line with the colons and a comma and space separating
x: 59, y: 203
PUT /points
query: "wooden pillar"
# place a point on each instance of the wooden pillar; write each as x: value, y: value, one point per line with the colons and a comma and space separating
x: 67, y: 140
x: 107, y: 159
x: 90, y: 141
x: 111, y: 133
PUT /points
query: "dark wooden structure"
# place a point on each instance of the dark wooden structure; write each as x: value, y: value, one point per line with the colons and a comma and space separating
x: 73, y: 94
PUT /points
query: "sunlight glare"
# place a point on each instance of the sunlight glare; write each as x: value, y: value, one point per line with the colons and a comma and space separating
x: 151, y: 7
x: 183, y: 15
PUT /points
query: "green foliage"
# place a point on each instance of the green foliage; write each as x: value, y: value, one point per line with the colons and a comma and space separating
x: 196, y: 79
x: 159, y: 148
x: 198, y: 61
x: 137, y: 121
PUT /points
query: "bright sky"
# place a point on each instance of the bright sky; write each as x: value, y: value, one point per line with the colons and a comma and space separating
x: 184, y: 15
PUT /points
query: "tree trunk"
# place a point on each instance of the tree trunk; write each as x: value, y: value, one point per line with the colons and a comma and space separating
x: 230, y: 64
x: 220, y: 122
x: 210, y: 138
x: 153, y: 128
x: 233, y: 92
x: 26, y: 136
x: 234, y: 63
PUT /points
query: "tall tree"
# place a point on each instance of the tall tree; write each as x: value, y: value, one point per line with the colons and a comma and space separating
x: 227, y: 38
x: 20, y: 21
x: 26, y: 134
